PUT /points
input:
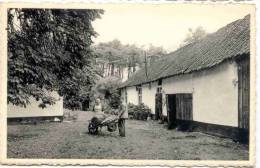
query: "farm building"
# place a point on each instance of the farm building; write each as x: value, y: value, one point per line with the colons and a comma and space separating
x: 202, y: 86
x: 34, y: 112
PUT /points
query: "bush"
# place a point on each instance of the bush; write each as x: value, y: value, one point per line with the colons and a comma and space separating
x: 106, y: 89
x: 138, y: 112
x: 131, y: 109
x: 109, y: 110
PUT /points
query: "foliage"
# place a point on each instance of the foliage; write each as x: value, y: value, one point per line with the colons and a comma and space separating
x: 139, y: 112
x: 154, y: 50
x: 115, y: 53
x: 109, y: 110
x: 49, y: 50
x: 78, y: 89
x: 106, y: 88
x: 194, y: 35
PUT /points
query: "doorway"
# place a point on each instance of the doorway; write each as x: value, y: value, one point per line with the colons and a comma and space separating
x: 85, y: 105
x: 179, y: 108
x: 171, y: 110
x: 243, y: 93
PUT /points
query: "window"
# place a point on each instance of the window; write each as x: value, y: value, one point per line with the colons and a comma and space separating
x: 150, y: 85
x: 159, y: 82
x: 159, y: 89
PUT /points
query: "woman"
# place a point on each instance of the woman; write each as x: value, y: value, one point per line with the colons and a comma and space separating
x: 122, y: 115
x: 98, y: 110
x: 97, y: 106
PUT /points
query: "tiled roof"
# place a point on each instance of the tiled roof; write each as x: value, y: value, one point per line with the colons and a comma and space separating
x: 228, y: 42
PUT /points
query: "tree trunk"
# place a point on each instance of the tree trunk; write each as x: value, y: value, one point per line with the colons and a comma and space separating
x: 128, y: 71
x: 103, y: 69
x: 120, y: 72
x: 108, y: 70
x: 134, y: 68
x: 112, y: 69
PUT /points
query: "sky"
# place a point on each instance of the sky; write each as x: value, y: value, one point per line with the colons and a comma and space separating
x: 162, y: 25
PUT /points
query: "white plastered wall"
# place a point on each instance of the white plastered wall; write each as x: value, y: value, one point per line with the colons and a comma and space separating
x: 215, y: 93
x: 123, y: 94
x: 132, y: 96
x: 124, y: 74
x: 148, y: 95
x: 174, y: 85
x: 33, y: 109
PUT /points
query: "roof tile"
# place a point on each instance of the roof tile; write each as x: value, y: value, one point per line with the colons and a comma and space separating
x: 228, y: 42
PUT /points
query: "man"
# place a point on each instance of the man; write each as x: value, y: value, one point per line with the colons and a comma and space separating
x: 122, y: 115
x: 163, y: 106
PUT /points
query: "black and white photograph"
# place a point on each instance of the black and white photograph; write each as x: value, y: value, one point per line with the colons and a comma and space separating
x: 152, y: 82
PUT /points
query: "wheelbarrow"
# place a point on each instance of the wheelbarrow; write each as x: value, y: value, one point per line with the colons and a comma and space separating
x: 97, y: 123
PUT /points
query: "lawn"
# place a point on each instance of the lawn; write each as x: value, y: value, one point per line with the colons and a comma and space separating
x: 144, y: 140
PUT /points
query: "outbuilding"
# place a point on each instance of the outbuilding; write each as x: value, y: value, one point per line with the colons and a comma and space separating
x: 202, y: 86
x: 33, y: 112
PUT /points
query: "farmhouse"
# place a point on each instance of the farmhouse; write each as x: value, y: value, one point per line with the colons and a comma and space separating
x: 34, y: 112
x: 203, y: 86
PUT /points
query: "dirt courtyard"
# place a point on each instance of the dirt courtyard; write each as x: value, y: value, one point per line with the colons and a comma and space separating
x: 144, y: 140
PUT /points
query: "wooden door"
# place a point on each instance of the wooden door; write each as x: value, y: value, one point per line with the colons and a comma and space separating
x: 171, y: 110
x: 184, y: 106
x: 243, y: 93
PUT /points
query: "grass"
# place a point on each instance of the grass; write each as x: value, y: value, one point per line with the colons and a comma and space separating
x: 144, y: 140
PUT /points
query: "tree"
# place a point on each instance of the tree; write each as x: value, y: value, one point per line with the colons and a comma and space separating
x: 194, y: 35
x: 107, y: 89
x: 46, y: 48
x: 154, y: 53
x: 154, y: 50
x: 114, y: 55
x: 78, y: 89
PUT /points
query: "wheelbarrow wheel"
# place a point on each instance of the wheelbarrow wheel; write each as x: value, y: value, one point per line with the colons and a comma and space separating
x: 112, y: 127
x: 92, y: 128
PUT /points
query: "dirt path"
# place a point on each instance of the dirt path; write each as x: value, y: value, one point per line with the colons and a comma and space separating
x: 144, y: 140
